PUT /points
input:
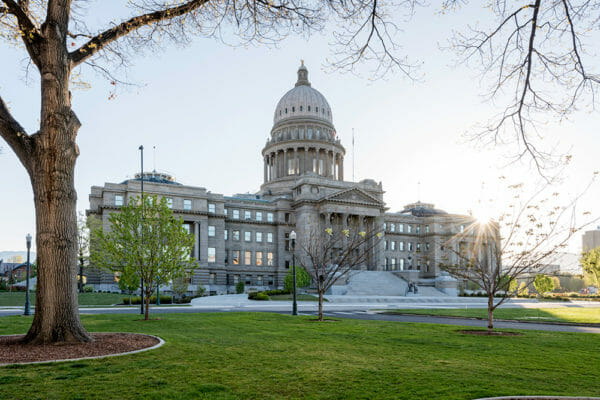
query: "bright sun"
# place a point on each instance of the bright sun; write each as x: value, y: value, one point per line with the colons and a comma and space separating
x: 483, y: 216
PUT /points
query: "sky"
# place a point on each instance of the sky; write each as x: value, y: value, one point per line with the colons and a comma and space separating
x: 208, y: 108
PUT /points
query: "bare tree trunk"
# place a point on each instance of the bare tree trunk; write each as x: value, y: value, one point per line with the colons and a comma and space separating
x: 51, y: 167
x: 147, y: 301
x: 490, y: 313
x: 320, y: 305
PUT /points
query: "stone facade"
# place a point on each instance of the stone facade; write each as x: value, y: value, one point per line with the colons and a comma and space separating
x: 246, y: 236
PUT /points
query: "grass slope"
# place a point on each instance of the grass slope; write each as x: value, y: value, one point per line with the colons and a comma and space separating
x: 85, y: 299
x: 567, y: 314
x: 271, y: 356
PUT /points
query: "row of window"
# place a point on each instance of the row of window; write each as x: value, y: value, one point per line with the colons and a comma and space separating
x: 258, y: 215
x: 400, y: 264
x: 400, y: 228
x: 258, y: 258
x: 235, y: 235
x: 258, y: 280
x: 391, y: 245
x: 316, y: 108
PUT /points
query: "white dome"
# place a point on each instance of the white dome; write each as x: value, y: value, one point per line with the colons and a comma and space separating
x: 303, y: 101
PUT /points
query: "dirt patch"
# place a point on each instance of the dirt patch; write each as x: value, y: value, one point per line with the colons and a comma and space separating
x: 12, y: 350
x: 480, y: 332
x: 324, y: 320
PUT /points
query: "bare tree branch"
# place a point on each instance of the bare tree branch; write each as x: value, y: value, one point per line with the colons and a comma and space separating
x: 29, y: 32
x: 14, y: 134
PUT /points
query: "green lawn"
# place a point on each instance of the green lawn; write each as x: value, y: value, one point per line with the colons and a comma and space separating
x: 272, y: 356
x: 85, y: 299
x: 566, y: 314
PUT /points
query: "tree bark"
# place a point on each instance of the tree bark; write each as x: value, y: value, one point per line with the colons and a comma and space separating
x: 147, y: 300
x: 490, y: 313
x: 51, y: 167
x: 320, y: 305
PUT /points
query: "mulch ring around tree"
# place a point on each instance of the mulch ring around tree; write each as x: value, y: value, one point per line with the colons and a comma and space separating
x: 13, y: 351
x: 481, y: 332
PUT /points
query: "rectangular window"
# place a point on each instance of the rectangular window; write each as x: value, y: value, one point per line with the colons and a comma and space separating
x: 384, y: 226
x: 418, y: 229
x: 236, y: 235
x: 270, y: 259
x: 393, y: 244
x: 259, y: 280
x: 248, y: 280
x: 287, y: 242
x: 118, y: 201
x: 287, y: 217
x: 212, y: 254
x: 259, y: 237
x: 427, y: 246
x: 270, y: 280
x: 409, y: 228
x: 393, y: 264
x: 410, y: 246
x: 186, y: 228
x: 270, y: 217
x: 247, y: 215
x: 392, y: 227
x: 236, y: 279
x: 269, y: 237
x: 187, y: 204
x: 291, y: 167
x: 211, y: 231
x: 226, y: 234
x: 247, y: 257
x: 259, y: 260
x: 401, y: 246
x: 401, y: 228
x: 258, y: 216
x: 385, y: 245
x: 212, y: 277
x: 226, y: 257
x: 426, y: 228
x: 402, y: 264
x: 236, y: 257
x: 418, y: 247
x: 225, y: 211
x: 248, y: 236
x: 211, y: 208
x: 462, y: 229
x: 236, y: 214
x: 169, y: 202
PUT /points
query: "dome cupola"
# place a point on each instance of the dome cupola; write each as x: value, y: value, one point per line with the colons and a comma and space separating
x: 303, y: 102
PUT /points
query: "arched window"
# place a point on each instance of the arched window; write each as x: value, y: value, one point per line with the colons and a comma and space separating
x: 316, y: 109
x: 286, y: 110
x: 308, y: 108
x: 300, y: 108
x: 293, y: 109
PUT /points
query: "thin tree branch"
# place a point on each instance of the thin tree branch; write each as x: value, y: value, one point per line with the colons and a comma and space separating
x: 14, y: 134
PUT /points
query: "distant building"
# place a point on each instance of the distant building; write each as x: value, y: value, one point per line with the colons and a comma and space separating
x: 245, y: 237
x: 590, y: 240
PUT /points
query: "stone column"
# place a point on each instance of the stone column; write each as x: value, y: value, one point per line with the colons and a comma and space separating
x: 265, y: 169
x: 285, y: 162
x: 296, y: 162
x: 341, y: 168
x: 276, y: 165
x: 305, y: 167
x: 196, y: 240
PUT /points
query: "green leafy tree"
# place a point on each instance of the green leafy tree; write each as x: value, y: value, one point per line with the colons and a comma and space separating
x: 180, y: 284
x: 512, y: 287
x: 590, y: 261
x: 523, y: 290
x: 129, y: 281
x: 145, y: 239
x: 543, y: 284
x: 302, y: 279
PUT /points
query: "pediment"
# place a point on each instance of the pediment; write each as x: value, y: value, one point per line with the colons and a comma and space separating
x: 355, y: 196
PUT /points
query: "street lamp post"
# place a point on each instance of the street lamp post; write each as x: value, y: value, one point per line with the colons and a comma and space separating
x: 294, y: 304
x: 141, y: 148
x: 27, y: 308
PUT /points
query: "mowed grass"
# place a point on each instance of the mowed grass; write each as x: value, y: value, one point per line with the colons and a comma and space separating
x: 272, y: 356
x: 85, y: 299
x: 564, y: 314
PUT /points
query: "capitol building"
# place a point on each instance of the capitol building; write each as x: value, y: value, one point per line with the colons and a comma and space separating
x: 245, y: 237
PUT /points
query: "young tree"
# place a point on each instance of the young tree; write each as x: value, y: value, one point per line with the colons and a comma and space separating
x: 59, y: 45
x: 543, y: 284
x: 145, y: 239
x: 329, y: 256
x: 180, y: 284
x: 129, y: 281
x: 302, y: 279
x: 519, y: 245
x: 590, y: 261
